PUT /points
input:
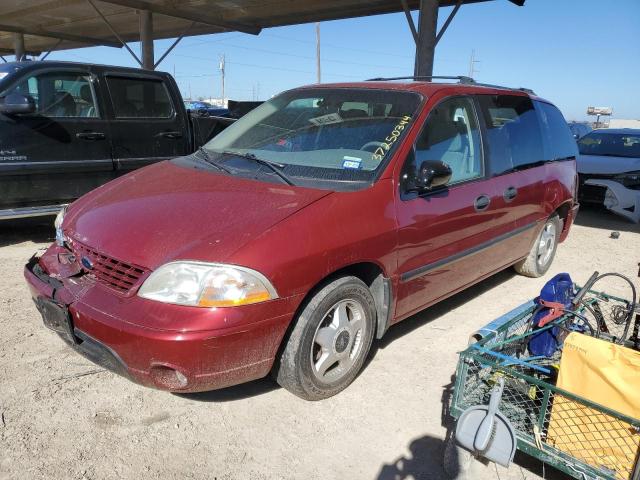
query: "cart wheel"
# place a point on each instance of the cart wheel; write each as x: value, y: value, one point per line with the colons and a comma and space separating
x: 460, y: 464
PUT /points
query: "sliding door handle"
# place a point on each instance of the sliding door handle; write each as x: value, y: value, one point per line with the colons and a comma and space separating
x: 170, y: 134
x: 510, y: 193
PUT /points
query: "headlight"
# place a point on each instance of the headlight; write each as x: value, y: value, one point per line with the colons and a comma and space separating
x: 58, y: 224
x: 629, y: 180
x: 207, y: 285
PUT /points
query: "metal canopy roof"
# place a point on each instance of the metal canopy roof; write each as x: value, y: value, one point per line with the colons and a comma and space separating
x: 65, y: 24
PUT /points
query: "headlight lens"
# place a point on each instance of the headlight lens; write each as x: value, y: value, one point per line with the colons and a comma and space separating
x: 58, y: 224
x: 629, y: 180
x: 201, y: 284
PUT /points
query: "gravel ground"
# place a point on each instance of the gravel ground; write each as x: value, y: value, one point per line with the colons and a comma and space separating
x: 63, y: 417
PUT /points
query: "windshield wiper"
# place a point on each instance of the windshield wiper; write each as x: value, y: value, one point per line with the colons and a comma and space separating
x: 274, y: 166
x: 211, y: 161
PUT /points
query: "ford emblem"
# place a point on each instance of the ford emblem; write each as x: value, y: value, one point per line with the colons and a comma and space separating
x: 86, y: 263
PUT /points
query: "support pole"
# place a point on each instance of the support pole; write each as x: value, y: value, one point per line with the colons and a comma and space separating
x: 146, y: 39
x: 318, y: 72
x: 18, y: 46
x: 426, y: 43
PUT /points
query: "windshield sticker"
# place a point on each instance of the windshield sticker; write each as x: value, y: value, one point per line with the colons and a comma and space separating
x: 389, y: 140
x: 351, y: 162
x: 326, y: 119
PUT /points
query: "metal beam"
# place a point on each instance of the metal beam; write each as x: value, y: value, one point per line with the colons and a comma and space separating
x: 39, y: 32
x: 425, y: 48
x: 113, y: 30
x: 412, y: 26
x: 168, y: 50
x: 52, y: 49
x: 200, y: 17
x: 7, y: 51
x: 448, y: 21
x: 146, y: 39
x: 18, y: 46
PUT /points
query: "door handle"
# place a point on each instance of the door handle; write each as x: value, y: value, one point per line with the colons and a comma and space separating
x: 481, y: 203
x: 510, y: 193
x: 171, y: 134
x: 90, y: 135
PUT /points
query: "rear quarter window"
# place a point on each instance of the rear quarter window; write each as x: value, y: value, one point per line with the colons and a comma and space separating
x: 513, y: 132
x: 559, y: 142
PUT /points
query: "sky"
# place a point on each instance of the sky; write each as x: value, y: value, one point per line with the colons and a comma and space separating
x: 575, y: 53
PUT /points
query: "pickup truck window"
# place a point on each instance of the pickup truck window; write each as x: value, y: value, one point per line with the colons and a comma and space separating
x: 60, y: 94
x: 139, y: 98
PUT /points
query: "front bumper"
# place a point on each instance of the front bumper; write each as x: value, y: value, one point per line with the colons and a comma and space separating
x: 619, y: 199
x: 117, y: 333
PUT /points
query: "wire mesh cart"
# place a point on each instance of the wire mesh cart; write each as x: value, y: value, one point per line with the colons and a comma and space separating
x: 584, y: 439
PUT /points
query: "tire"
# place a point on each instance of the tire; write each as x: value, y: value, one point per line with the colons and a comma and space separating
x: 542, y: 251
x: 330, y: 340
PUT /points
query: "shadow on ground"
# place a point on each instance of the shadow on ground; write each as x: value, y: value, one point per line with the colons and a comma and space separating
x: 37, y: 230
x: 599, y: 217
x: 426, y: 457
x: 237, y: 392
x: 443, y: 307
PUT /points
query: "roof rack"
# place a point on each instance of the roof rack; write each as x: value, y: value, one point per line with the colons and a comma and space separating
x: 461, y: 79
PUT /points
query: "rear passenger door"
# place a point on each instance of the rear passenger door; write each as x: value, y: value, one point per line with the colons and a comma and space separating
x: 447, y: 237
x: 516, y: 163
x: 146, y: 125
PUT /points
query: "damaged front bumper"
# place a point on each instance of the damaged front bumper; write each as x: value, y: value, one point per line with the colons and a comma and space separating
x: 619, y: 199
x: 156, y: 345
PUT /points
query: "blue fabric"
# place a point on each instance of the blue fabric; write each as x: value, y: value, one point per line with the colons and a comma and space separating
x: 559, y: 289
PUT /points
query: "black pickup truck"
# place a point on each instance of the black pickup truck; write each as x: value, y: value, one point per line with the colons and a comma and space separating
x: 66, y: 128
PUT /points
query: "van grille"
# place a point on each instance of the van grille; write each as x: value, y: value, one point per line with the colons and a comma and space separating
x: 116, y: 274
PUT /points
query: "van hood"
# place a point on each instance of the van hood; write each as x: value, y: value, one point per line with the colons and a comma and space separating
x: 601, y: 164
x: 167, y: 212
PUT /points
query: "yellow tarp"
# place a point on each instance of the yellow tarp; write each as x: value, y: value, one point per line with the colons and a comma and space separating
x: 609, y: 375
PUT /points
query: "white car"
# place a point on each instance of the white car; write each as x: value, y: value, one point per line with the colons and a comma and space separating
x: 609, y: 170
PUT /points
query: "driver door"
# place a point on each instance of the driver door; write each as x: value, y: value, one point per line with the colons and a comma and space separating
x: 446, y: 236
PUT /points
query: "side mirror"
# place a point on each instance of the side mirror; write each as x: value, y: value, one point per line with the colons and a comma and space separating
x: 203, y: 112
x: 432, y: 174
x: 15, y: 104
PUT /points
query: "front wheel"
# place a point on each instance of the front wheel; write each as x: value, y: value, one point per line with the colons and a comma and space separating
x: 330, y: 340
x: 543, y: 250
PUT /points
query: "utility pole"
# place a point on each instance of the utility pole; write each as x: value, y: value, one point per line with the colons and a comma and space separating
x: 222, y: 66
x: 319, y: 76
x: 472, y: 64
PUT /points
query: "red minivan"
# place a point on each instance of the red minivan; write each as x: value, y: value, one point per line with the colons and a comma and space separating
x: 305, y: 230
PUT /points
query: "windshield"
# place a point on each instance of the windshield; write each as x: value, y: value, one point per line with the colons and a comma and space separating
x: 321, y: 134
x: 610, y: 144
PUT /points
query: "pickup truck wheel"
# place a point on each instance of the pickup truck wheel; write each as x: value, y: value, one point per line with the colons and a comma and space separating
x: 543, y: 250
x: 330, y: 340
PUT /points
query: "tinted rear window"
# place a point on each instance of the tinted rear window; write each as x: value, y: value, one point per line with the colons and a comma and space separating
x: 139, y: 98
x: 513, y: 132
x: 559, y: 141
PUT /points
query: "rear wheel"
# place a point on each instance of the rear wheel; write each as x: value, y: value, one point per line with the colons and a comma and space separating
x: 543, y: 250
x: 330, y: 340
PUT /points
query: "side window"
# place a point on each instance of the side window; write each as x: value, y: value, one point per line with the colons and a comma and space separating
x: 139, y: 98
x: 513, y: 132
x: 451, y: 135
x: 559, y: 141
x: 60, y: 94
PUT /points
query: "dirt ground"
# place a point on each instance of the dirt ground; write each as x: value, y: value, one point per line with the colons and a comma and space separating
x: 63, y: 417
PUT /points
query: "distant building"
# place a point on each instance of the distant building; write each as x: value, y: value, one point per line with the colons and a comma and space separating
x: 623, y: 123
